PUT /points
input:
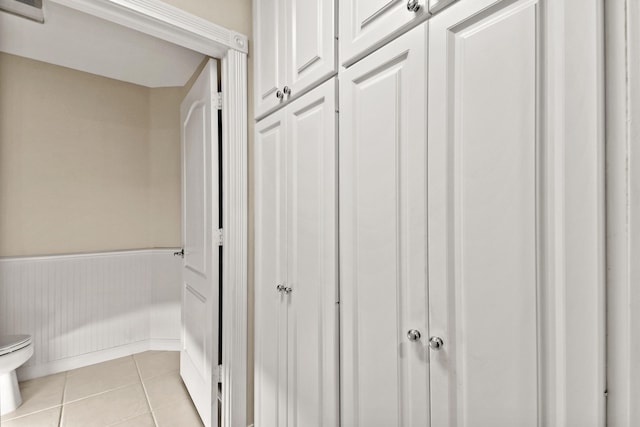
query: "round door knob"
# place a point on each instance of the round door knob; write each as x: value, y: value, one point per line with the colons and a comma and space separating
x: 279, y: 94
x: 286, y: 90
x: 287, y: 289
x: 413, y: 335
x: 413, y: 5
x: 280, y: 288
x: 436, y: 343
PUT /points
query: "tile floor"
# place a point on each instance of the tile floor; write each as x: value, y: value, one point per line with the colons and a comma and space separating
x: 134, y: 391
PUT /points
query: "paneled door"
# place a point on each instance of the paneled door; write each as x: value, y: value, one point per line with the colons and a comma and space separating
x: 365, y: 24
x: 312, y: 278
x: 200, y: 324
x: 270, y: 59
x: 485, y: 230
x: 270, y: 271
x: 311, y: 43
x: 383, y: 241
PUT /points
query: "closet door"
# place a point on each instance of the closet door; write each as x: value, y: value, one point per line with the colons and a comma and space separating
x: 270, y: 272
x: 484, y: 214
x: 270, y: 30
x: 383, y: 283
x: 312, y: 259
x: 365, y: 24
x: 311, y: 43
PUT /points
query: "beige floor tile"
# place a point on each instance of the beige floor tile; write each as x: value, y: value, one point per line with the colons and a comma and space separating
x: 145, y: 420
x: 94, y: 379
x: 165, y: 389
x: 38, y: 394
x: 181, y: 414
x: 154, y: 363
x: 106, y: 409
x: 46, y: 418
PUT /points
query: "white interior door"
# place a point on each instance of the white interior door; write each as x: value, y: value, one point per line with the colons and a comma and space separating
x: 383, y: 201
x: 200, y: 323
x: 312, y: 259
x: 270, y: 369
x: 484, y: 213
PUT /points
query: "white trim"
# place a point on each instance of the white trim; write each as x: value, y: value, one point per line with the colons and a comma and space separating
x: 164, y: 22
x: 174, y: 25
x: 235, y: 199
x: 92, y: 358
x: 30, y: 258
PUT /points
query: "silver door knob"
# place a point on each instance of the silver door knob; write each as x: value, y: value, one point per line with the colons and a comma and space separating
x: 287, y: 290
x: 413, y: 335
x: 280, y: 288
x: 279, y: 94
x: 286, y: 90
x: 413, y: 5
x: 436, y: 343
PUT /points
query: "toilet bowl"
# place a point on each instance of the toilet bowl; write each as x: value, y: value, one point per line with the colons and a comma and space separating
x: 14, y: 351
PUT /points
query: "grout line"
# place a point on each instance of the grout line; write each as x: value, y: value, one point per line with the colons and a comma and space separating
x: 146, y: 395
x: 64, y: 392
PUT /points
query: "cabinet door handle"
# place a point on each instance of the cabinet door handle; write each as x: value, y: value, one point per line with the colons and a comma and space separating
x: 287, y: 290
x: 286, y: 90
x: 279, y: 94
x: 413, y: 5
x: 280, y: 288
x: 436, y: 343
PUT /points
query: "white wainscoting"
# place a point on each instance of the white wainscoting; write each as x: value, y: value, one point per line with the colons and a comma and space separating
x: 86, y: 308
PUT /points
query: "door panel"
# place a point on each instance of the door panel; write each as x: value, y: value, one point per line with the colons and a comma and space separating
x: 270, y: 271
x: 311, y: 44
x: 269, y: 26
x: 200, y: 327
x: 484, y: 197
x: 312, y: 259
x: 383, y: 284
x: 365, y: 23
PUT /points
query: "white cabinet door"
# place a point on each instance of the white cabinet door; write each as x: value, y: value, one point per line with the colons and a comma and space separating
x: 270, y: 272
x: 365, y: 24
x: 269, y: 49
x: 485, y: 228
x: 436, y: 6
x: 311, y: 43
x: 200, y: 327
x: 383, y: 191
x: 312, y: 259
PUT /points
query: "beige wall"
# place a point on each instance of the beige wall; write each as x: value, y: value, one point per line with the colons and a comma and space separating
x: 232, y: 14
x: 86, y: 163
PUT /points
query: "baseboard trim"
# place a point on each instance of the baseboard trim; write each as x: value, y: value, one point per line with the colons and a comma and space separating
x: 56, y: 366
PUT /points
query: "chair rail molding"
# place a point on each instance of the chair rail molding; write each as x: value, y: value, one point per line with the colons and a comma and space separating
x: 174, y: 25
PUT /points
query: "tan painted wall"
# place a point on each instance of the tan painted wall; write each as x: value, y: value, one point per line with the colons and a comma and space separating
x: 232, y: 14
x: 86, y: 163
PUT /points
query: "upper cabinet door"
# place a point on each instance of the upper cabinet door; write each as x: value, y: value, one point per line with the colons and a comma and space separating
x: 436, y: 6
x: 312, y: 260
x: 270, y: 272
x: 269, y: 35
x: 366, y: 24
x: 311, y: 43
x: 383, y: 191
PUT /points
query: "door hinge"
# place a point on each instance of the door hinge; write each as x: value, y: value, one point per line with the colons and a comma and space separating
x: 219, y: 101
x: 219, y: 373
x: 219, y: 236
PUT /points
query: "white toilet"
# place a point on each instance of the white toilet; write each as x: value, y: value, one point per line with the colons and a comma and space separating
x: 14, y: 351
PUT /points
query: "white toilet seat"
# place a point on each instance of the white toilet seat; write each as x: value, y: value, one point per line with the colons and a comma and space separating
x: 11, y: 343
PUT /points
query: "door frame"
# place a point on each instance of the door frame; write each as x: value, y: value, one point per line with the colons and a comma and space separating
x: 181, y: 28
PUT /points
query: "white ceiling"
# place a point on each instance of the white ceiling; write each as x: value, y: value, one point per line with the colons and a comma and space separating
x: 83, y: 42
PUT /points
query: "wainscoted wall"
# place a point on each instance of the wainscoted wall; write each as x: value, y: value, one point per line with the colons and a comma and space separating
x: 86, y: 308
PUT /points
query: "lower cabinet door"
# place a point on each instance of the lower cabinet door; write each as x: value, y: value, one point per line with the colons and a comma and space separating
x: 270, y: 355
x: 485, y: 228
x: 383, y: 201
x: 312, y: 259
